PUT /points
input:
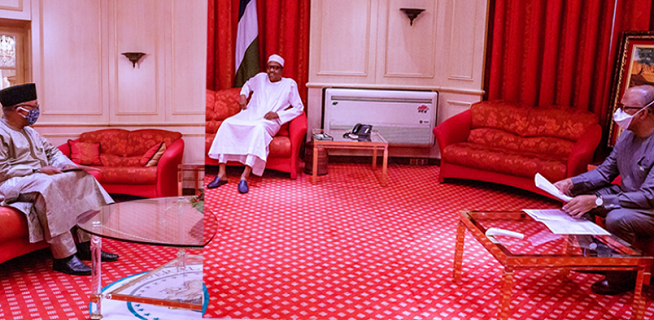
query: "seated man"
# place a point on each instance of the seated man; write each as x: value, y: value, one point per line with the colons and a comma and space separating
x: 245, y: 136
x: 31, y: 180
x: 628, y: 208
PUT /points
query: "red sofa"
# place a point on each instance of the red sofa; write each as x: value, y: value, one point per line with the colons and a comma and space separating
x: 121, y: 151
x: 14, y: 237
x: 508, y: 143
x: 284, y: 149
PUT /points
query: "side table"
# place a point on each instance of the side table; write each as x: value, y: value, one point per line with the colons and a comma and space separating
x: 186, y: 167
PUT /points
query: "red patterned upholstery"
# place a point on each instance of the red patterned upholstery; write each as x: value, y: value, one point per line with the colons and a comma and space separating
x: 508, y: 143
x: 122, y: 171
x: 285, y: 146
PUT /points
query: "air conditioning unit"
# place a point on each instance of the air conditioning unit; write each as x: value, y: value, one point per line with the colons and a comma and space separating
x: 403, y: 118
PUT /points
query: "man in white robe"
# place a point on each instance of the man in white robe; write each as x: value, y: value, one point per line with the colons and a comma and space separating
x: 32, y: 181
x: 245, y: 136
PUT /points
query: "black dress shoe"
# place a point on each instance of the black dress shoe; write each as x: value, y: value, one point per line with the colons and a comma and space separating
x: 604, y: 287
x: 84, y: 253
x: 216, y: 183
x: 243, y: 187
x: 71, y: 265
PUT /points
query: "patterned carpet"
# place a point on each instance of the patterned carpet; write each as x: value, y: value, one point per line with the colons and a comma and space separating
x: 350, y: 249
x: 343, y: 249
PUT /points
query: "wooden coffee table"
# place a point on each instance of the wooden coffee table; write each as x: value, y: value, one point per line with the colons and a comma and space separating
x: 376, y: 143
x: 542, y: 249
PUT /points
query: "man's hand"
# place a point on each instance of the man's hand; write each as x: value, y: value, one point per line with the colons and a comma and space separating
x: 243, y: 102
x: 580, y: 205
x: 50, y: 170
x: 271, y: 116
x: 564, y: 185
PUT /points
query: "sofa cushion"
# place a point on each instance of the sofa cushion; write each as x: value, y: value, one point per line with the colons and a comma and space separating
x: 280, y: 146
x: 496, y: 138
x: 129, y: 175
x: 502, y: 160
x: 110, y: 160
x: 120, y: 142
x: 85, y: 153
x: 525, y: 121
x: 151, y: 158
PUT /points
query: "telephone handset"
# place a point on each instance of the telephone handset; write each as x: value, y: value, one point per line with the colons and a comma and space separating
x: 360, y: 132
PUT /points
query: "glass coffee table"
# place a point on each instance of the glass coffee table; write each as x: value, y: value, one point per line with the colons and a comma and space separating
x: 376, y: 143
x: 540, y: 248
x: 170, y: 222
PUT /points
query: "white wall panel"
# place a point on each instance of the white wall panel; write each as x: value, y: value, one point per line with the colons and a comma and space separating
x: 71, y: 74
x: 137, y: 87
x: 188, y: 99
x: 462, y: 41
x: 85, y: 84
x: 15, y: 9
x: 409, y: 50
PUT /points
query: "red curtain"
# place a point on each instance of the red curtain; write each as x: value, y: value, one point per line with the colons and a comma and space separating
x: 283, y: 29
x: 544, y: 52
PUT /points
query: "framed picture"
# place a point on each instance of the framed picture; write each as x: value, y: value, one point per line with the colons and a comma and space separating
x: 635, y: 67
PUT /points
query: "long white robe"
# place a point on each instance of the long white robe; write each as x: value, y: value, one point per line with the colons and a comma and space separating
x: 61, y: 197
x: 245, y: 136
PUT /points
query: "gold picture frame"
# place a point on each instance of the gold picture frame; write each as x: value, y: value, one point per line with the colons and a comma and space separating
x: 635, y: 67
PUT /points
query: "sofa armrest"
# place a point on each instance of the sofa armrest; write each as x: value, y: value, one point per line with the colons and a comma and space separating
x: 167, y: 169
x: 453, y: 130
x: 297, y: 130
x: 65, y: 149
x: 584, y: 150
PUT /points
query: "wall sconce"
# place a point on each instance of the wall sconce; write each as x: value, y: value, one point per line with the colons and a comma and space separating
x: 134, y: 57
x: 412, y: 13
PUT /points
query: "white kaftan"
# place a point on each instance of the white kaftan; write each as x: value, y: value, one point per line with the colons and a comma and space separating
x: 245, y: 136
x: 52, y: 203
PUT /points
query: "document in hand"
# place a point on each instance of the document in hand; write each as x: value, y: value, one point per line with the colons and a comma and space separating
x: 81, y: 168
x: 548, y: 187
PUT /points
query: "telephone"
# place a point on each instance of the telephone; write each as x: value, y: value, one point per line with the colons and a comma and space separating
x: 360, y: 132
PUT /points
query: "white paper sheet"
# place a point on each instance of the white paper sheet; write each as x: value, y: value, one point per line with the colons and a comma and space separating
x: 548, y: 187
x: 560, y: 222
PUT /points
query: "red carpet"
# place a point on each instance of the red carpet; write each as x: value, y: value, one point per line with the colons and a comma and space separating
x: 29, y: 289
x: 350, y: 249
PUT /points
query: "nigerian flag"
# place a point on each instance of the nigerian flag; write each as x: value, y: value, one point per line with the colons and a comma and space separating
x: 247, y: 44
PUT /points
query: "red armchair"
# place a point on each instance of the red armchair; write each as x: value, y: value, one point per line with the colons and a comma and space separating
x: 508, y: 143
x: 284, y: 149
x: 14, y: 236
x: 121, y: 151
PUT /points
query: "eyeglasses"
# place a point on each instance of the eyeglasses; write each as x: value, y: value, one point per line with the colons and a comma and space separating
x: 274, y: 68
x: 625, y: 108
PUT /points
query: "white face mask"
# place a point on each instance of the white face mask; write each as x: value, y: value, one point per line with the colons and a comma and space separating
x: 623, y: 119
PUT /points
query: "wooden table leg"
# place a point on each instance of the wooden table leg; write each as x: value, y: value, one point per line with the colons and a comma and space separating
x: 638, y: 306
x: 504, y: 307
x: 179, y: 183
x: 565, y: 272
x: 196, y: 181
x: 314, y: 175
x: 374, y: 158
x: 458, y: 251
x: 385, y: 167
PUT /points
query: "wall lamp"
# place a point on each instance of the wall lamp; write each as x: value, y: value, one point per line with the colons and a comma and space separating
x: 134, y: 57
x: 412, y: 13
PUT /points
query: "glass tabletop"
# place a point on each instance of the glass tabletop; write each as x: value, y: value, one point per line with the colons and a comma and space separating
x: 341, y: 136
x: 540, y: 241
x: 171, y: 221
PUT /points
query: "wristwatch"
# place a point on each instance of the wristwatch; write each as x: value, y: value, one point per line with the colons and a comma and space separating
x: 35, y: 170
x: 599, y: 201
